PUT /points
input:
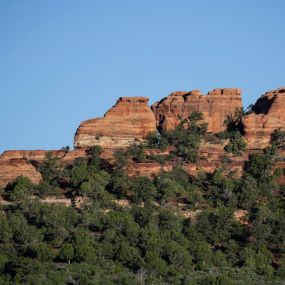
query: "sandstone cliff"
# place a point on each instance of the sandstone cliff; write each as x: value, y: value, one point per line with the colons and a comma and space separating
x: 215, y: 106
x: 14, y: 163
x: 268, y: 115
x: 129, y: 120
x: 11, y: 169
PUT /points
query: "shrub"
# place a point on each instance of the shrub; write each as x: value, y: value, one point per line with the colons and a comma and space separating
x: 156, y: 141
x: 19, y: 188
x: 137, y: 153
x: 50, y: 168
x: 278, y: 139
x: 142, y: 189
x: 236, y: 144
x: 187, y: 136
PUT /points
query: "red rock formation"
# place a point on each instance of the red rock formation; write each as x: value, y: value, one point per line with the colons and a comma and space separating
x: 129, y: 120
x: 11, y: 169
x: 14, y: 163
x: 40, y: 155
x: 215, y: 106
x: 268, y: 115
x: 149, y: 168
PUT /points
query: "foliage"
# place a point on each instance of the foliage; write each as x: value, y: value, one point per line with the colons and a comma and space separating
x: 50, y: 168
x: 19, y: 188
x: 172, y: 228
x: 137, y: 153
x: 187, y: 136
x: 156, y: 141
x: 234, y: 132
x: 233, y: 121
x: 278, y: 139
x: 236, y: 144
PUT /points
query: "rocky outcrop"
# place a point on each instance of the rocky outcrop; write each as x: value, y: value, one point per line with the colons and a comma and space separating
x: 268, y: 115
x: 129, y: 120
x: 38, y: 156
x: 14, y: 163
x: 11, y: 169
x: 215, y: 106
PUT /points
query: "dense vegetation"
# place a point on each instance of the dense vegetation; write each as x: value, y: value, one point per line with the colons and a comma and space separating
x: 234, y: 132
x: 172, y: 229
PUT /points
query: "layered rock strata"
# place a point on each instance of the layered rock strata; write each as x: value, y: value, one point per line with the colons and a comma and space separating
x: 268, y: 115
x: 215, y: 106
x: 130, y: 120
x: 11, y: 169
x: 15, y: 163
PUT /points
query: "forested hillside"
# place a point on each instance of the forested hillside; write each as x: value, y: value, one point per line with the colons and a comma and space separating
x: 169, y: 228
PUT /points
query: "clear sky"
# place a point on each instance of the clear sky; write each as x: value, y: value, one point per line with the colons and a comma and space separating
x: 64, y: 61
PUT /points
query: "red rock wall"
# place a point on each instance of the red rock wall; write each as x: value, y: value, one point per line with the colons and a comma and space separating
x: 129, y: 120
x: 11, y: 169
x: 268, y: 115
x: 14, y: 163
x: 215, y: 106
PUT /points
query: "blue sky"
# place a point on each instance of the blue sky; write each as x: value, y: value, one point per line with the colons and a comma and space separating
x: 62, y: 62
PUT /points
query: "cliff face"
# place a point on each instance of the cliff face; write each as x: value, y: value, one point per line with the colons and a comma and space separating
x: 129, y: 120
x: 268, y: 115
x: 14, y: 163
x: 11, y: 169
x: 215, y: 106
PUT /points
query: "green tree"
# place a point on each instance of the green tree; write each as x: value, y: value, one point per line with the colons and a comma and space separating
x: 67, y: 252
x: 156, y: 141
x: 129, y: 255
x: 233, y: 121
x: 248, y: 192
x: 94, y: 159
x: 278, y: 139
x: 203, y: 255
x: 19, y: 188
x: 137, y: 153
x: 236, y: 144
x: 79, y: 172
x: 187, y: 136
x: 142, y: 189
x: 154, y: 263
x: 5, y: 229
x: 50, y: 168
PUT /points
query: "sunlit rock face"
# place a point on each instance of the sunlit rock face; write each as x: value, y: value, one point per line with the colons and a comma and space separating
x: 215, y: 106
x: 14, y: 163
x: 130, y: 120
x: 11, y: 169
x: 268, y: 115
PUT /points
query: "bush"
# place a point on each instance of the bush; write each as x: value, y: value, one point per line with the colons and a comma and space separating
x: 142, y: 189
x: 50, y: 169
x: 278, y: 139
x: 236, y: 144
x: 156, y: 141
x: 137, y: 153
x: 187, y: 136
x: 234, y: 123
x: 158, y: 158
x: 19, y: 188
